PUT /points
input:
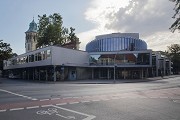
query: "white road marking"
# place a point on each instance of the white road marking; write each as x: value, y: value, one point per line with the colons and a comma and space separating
x: 71, y: 117
x: 62, y: 104
x: 85, y: 101
x: 75, y: 97
x: 106, y: 99
x: 96, y: 100
x: 153, y: 97
x: 44, y: 99
x: 46, y: 105
x: 67, y: 97
x: 14, y: 109
x: 89, y: 117
x: 17, y: 94
x: 176, y: 101
x: 87, y: 96
x: 34, y: 99
x: 32, y: 107
x: 73, y: 102
x: 2, y: 110
x: 55, y: 98
x: 53, y: 111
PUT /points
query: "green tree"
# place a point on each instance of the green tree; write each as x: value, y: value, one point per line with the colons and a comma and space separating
x: 5, y: 52
x: 51, y: 31
x: 176, y: 24
x: 174, y: 54
x: 72, y: 37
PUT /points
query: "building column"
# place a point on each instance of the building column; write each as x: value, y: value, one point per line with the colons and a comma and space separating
x: 142, y: 73
x: 46, y: 75
x: 169, y: 67
x: 108, y: 73
x: 124, y: 72
x: 92, y: 73
x: 152, y: 72
x: 147, y: 73
x: 33, y: 73
x: 27, y: 74
x: 24, y: 72
x: 39, y: 75
x: 54, y: 71
x: 114, y: 74
x: 99, y: 74
x: 157, y: 66
x: 164, y: 66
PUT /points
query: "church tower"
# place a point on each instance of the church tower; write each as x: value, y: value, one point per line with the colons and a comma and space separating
x: 31, y: 37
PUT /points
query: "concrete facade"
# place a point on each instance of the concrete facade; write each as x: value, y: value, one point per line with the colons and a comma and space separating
x: 119, y: 56
x: 52, y: 61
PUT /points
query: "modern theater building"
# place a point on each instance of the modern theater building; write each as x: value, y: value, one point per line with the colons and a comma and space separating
x: 116, y: 55
x: 124, y: 51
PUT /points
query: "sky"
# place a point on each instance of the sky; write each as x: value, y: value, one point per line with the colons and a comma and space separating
x: 150, y: 18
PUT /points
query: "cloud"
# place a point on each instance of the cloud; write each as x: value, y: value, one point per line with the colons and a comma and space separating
x: 145, y: 17
x: 100, y: 10
x: 97, y: 13
x: 150, y: 18
x: 160, y: 40
x: 88, y: 36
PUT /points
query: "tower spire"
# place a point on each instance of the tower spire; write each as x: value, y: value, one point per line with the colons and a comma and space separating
x: 31, y: 37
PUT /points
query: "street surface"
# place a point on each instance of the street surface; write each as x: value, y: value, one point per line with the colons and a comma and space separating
x: 144, y: 100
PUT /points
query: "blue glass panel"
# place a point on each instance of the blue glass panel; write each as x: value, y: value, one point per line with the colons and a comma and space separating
x: 112, y: 45
x: 123, y: 44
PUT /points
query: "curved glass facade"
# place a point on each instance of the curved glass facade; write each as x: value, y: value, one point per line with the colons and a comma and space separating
x: 120, y: 59
x: 116, y: 42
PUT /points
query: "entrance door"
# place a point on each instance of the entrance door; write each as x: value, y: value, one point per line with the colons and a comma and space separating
x: 72, y: 75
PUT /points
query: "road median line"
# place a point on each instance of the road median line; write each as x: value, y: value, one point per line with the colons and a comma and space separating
x: 14, y: 109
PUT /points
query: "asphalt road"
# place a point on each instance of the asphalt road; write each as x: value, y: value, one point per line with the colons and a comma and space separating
x: 28, y: 100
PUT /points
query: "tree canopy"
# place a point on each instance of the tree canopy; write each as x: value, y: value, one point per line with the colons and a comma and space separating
x: 72, y: 37
x: 52, y: 32
x: 174, y: 54
x: 5, y: 52
x: 176, y: 25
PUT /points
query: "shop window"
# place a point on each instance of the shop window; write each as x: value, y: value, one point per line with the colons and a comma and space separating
x: 31, y: 58
x: 27, y: 59
x: 48, y: 54
x: 39, y: 56
x: 43, y: 55
x: 36, y: 57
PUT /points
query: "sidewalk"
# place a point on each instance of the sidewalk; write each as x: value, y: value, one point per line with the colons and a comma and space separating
x: 111, y: 81
x: 89, y: 81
